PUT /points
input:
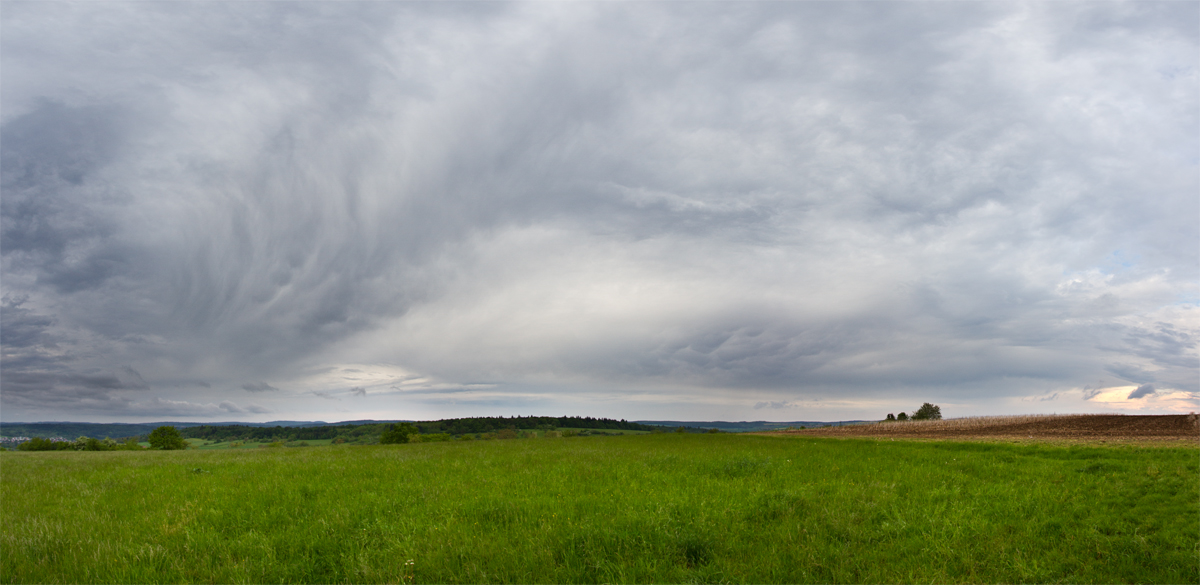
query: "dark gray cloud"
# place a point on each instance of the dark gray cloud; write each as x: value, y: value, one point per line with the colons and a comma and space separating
x: 838, y: 207
x: 1141, y: 392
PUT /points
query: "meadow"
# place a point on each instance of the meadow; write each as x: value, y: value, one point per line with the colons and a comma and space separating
x: 644, y: 508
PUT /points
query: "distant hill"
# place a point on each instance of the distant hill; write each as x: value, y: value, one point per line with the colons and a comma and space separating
x: 303, y: 430
x: 749, y: 426
x: 71, y: 430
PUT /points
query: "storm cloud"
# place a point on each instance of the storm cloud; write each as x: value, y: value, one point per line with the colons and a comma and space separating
x: 642, y: 210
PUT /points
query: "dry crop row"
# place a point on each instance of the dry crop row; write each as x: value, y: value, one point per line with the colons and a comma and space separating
x: 1086, y: 427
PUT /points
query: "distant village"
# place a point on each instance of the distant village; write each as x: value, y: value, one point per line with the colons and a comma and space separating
x: 19, y: 440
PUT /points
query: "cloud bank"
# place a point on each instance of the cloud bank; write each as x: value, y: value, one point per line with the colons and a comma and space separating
x: 711, y: 211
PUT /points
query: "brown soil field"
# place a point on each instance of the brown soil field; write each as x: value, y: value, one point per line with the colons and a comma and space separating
x: 1122, y: 428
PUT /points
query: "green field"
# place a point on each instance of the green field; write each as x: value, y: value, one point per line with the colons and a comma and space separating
x: 647, y: 508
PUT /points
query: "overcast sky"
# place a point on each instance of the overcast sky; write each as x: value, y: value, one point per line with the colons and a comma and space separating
x: 696, y: 211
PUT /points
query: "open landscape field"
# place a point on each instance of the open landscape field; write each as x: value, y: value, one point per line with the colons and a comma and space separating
x: 649, y: 508
x: 1072, y: 427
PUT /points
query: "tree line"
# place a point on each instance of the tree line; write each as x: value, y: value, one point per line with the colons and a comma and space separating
x: 349, y: 433
x: 369, y: 432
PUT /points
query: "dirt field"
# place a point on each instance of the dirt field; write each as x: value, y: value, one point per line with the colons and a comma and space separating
x: 1182, y: 428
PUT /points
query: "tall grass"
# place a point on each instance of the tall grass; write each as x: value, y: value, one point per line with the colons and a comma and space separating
x: 650, y: 508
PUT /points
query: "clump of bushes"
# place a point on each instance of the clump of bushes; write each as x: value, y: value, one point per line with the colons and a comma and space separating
x: 399, y: 433
x: 80, y: 444
x: 40, y: 444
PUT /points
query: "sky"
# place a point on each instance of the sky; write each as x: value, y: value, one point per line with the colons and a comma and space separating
x: 258, y: 211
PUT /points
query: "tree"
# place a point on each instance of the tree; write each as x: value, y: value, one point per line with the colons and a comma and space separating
x: 399, y: 433
x: 891, y: 417
x: 166, y: 439
x: 902, y: 416
x: 928, y: 412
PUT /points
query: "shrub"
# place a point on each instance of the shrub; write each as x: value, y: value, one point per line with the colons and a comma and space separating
x: 430, y: 438
x: 167, y: 439
x: 130, y: 444
x: 891, y: 417
x: 928, y: 412
x: 902, y: 416
x: 40, y: 444
x: 400, y: 433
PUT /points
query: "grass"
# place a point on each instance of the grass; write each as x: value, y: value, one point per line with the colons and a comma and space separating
x: 649, y: 508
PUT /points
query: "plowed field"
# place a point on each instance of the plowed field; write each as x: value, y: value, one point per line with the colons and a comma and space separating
x: 1082, y: 427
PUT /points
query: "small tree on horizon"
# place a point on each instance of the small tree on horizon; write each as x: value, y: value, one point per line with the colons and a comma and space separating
x: 890, y: 417
x: 902, y: 416
x: 928, y: 412
x: 167, y: 439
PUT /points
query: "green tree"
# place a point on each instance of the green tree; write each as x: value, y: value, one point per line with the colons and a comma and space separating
x: 902, y: 416
x: 891, y: 416
x: 928, y: 412
x: 399, y: 433
x: 167, y: 439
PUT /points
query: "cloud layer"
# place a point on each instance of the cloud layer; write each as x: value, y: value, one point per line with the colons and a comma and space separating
x: 400, y: 210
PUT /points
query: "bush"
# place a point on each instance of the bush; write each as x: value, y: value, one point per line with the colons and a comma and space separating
x: 40, y: 444
x: 166, y: 439
x: 928, y: 412
x: 902, y: 416
x: 891, y: 417
x: 400, y: 433
x: 430, y: 438
x: 90, y: 444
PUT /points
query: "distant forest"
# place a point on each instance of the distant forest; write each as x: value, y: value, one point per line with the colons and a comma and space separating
x: 364, y: 432
x: 450, y: 426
